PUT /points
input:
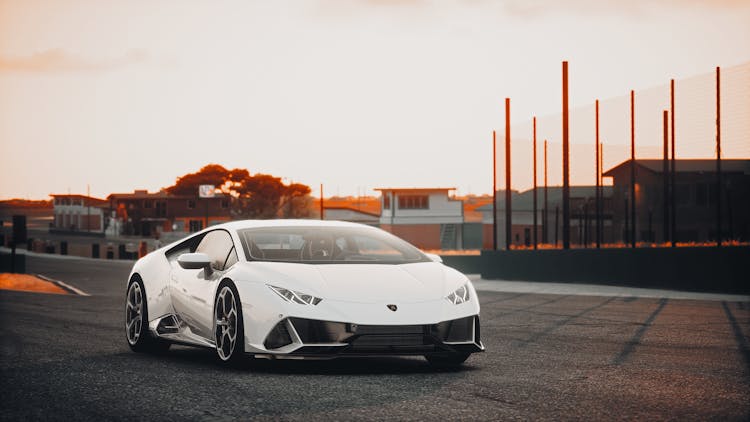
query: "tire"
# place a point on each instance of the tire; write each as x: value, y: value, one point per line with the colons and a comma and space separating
x: 136, y: 320
x: 229, y: 327
x: 447, y: 361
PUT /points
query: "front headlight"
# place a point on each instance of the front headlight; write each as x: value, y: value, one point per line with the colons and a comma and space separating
x: 295, y: 297
x: 460, y: 295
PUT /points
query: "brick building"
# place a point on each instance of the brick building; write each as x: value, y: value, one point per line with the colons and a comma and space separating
x: 148, y: 214
x: 696, y: 194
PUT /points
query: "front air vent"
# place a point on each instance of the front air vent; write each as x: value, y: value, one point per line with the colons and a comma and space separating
x: 168, y: 325
x: 278, y: 337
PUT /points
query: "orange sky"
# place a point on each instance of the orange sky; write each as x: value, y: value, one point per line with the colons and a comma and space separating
x: 352, y: 94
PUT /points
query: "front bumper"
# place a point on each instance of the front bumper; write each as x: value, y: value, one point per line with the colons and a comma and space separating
x: 308, y: 338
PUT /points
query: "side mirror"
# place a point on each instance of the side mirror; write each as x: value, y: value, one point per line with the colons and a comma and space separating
x: 434, y: 257
x: 194, y: 261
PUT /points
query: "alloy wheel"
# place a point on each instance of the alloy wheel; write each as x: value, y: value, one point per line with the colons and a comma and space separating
x: 226, y: 323
x: 134, y: 313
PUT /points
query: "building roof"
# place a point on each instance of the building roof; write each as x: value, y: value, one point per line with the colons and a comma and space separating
x: 415, y: 190
x: 91, y: 200
x: 472, y: 208
x: 366, y: 205
x: 524, y: 201
x: 687, y: 166
x: 144, y: 194
x: 326, y: 207
x: 139, y: 194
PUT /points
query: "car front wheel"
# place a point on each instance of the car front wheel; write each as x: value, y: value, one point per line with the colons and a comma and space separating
x: 228, y: 325
x: 136, y: 320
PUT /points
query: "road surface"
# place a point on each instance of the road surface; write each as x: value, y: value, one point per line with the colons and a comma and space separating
x: 576, y: 353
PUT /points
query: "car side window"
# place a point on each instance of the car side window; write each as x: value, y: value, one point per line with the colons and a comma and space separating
x: 217, y: 245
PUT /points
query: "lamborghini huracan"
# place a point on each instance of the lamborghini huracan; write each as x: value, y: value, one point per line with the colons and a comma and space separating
x: 301, y: 289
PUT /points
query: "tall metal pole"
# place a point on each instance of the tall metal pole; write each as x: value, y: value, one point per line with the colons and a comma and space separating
x: 88, y: 203
x: 508, y: 210
x: 672, y: 178
x: 718, y: 159
x: 494, y: 191
x: 545, y: 214
x: 665, y: 175
x: 321, y: 203
x: 601, y: 189
x: 566, y: 168
x: 557, y: 223
x: 534, y: 169
x: 598, y: 184
x: 627, y: 228
x: 632, y: 168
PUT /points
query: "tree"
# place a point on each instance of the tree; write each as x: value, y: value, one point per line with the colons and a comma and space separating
x: 212, y: 174
x: 254, y: 196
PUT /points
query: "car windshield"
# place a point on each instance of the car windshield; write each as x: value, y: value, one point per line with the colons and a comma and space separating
x: 322, y: 245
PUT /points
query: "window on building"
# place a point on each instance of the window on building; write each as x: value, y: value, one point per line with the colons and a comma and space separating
x: 148, y: 203
x: 225, y: 203
x: 191, y: 203
x: 161, y: 209
x: 711, y: 187
x: 413, y: 202
x: 701, y: 195
x: 387, y: 201
x: 682, y: 194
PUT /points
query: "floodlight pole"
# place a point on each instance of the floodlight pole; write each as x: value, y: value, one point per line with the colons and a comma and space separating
x: 566, y: 161
x: 718, y: 159
x: 494, y: 191
x: 508, y: 209
x: 535, y: 199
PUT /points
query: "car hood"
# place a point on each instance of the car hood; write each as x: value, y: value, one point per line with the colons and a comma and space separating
x: 363, y: 283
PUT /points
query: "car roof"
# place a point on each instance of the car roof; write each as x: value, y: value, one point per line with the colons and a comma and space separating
x: 248, y: 224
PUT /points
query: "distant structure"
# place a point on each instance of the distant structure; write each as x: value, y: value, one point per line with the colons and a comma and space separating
x: 149, y: 214
x: 696, y: 196
x: 427, y: 217
x: 363, y: 210
x: 582, y: 221
x: 78, y: 213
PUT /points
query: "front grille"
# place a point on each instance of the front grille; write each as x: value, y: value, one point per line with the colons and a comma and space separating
x: 390, y: 329
x: 379, y: 339
x: 388, y: 340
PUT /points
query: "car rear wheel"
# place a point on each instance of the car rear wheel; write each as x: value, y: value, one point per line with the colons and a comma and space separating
x: 228, y: 325
x: 447, y: 361
x: 136, y: 320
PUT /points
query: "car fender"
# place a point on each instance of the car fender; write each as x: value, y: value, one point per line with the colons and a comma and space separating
x: 154, y: 270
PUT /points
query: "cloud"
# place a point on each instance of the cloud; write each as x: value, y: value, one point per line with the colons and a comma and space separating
x: 534, y: 8
x: 59, y: 60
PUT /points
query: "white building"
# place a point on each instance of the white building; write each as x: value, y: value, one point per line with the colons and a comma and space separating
x: 426, y: 217
x: 78, y: 213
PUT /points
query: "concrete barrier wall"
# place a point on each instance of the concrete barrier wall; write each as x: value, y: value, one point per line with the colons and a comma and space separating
x: 5, y: 263
x: 707, y: 269
x: 467, y: 264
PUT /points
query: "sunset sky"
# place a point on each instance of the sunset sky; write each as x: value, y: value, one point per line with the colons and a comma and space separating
x: 356, y: 95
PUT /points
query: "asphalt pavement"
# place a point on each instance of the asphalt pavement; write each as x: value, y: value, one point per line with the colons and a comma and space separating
x: 572, y: 354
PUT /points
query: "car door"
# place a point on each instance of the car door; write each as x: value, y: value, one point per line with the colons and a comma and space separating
x: 193, y: 290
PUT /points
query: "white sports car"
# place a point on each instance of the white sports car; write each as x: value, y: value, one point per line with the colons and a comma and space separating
x: 301, y: 289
